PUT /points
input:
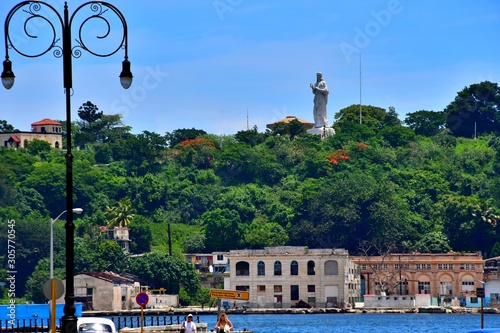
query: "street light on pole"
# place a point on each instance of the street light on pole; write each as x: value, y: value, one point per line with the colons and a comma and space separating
x: 52, y: 221
x: 41, y: 14
x: 52, y: 280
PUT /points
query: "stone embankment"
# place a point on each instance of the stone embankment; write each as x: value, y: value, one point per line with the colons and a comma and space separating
x: 197, y: 311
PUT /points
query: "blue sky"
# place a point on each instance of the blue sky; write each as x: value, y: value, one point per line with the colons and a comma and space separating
x: 208, y: 63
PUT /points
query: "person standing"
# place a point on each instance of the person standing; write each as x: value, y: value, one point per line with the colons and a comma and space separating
x: 320, y: 91
x: 188, y: 326
x: 223, y: 325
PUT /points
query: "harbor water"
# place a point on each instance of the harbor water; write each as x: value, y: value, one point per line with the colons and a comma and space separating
x: 356, y: 323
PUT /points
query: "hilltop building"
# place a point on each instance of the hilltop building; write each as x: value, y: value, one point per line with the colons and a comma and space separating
x: 46, y: 129
x: 307, y: 124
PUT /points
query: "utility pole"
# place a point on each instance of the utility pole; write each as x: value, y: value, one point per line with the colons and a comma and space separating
x: 360, y: 113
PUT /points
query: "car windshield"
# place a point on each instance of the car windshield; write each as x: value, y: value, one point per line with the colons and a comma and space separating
x: 95, y: 327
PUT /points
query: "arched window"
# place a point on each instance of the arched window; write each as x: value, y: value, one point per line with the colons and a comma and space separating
x: 310, y: 268
x: 242, y: 268
x: 294, y: 268
x: 57, y: 144
x: 261, y: 268
x: 277, y: 268
x: 331, y: 267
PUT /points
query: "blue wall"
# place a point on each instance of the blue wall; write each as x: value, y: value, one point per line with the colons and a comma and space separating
x: 33, y: 311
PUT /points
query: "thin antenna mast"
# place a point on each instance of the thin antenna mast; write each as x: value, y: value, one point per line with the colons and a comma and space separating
x: 360, y: 113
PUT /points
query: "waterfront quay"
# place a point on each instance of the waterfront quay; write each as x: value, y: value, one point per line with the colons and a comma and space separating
x: 177, y: 315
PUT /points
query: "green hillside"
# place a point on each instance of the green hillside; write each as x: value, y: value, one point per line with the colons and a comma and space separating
x: 419, y: 187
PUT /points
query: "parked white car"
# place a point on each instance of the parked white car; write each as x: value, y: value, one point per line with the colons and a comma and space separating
x: 95, y: 325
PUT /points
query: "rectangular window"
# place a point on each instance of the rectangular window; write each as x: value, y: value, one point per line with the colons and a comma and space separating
x: 445, y: 288
x: 243, y: 288
x: 474, y: 300
x: 261, y: 288
x: 277, y: 289
x: 467, y: 286
x: 294, y: 292
x: 311, y: 288
x: 424, y: 287
x: 440, y: 266
x: 220, y: 257
x: 363, y: 266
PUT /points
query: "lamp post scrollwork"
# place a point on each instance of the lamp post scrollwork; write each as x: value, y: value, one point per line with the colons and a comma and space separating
x: 60, y: 44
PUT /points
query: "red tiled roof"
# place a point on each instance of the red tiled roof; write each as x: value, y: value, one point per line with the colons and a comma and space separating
x: 288, y: 119
x: 46, y: 121
x: 15, y: 138
x: 110, y: 277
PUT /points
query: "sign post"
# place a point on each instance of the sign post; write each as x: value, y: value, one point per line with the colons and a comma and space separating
x: 142, y: 300
x: 53, y: 289
x: 229, y: 294
x: 480, y: 294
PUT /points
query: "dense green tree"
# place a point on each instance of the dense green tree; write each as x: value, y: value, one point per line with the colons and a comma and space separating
x: 291, y: 129
x: 261, y: 234
x: 89, y: 125
x: 203, y: 297
x: 469, y: 223
x: 372, y: 116
x: 31, y: 242
x: 495, y: 252
x: 223, y: 229
x: 38, y: 147
x: 40, y: 275
x: 179, y: 135
x: 5, y: 127
x: 427, y: 123
x: 141, y: 236
x: 49, y: 179
x: 94, y: 253
x: 194, y: 243
x: 251, y: 137
x: 475, y: 110
x: 163, y: 271
x: 391, y: 118
x: 433, y: 242
x: 397, y: 136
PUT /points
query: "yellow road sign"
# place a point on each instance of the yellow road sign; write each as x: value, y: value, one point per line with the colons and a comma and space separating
x: 229, y: 294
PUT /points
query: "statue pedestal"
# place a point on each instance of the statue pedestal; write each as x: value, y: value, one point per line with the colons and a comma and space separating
x: 326, y: 131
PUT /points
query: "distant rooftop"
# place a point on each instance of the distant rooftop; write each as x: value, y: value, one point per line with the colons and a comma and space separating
x: 46, y: 121
x: 288, y: 119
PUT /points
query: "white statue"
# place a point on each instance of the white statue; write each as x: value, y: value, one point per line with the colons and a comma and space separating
x: 320, y: 91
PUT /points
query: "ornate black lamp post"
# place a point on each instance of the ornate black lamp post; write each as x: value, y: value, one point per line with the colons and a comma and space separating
x: 41, y: 13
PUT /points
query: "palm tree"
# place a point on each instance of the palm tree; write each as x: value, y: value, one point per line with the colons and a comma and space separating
x: 120, y: 215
